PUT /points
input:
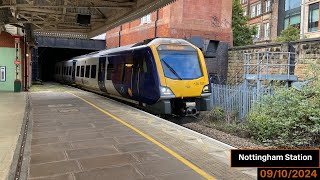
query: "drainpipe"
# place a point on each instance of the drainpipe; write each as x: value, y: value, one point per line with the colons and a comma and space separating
x: 303, y: 16
x: 120, y: 35
x: 156, y: 24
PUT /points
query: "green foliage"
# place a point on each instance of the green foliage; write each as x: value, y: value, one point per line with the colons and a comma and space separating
x: 289, y: 34
x: 290, y: 118
x: 216, y: 114
x: 226, y: 122
x: 242, y: 32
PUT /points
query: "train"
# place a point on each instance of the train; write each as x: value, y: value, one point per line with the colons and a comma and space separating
x: 164, y: 76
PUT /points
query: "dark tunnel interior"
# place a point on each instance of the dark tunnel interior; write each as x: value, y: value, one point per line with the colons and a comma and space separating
x: 49, y: 56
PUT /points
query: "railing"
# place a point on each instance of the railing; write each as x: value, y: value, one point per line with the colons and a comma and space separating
x: 236, y: 99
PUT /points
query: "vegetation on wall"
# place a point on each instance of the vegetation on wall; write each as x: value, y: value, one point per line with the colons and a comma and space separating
x: 290, y: 34
x: 242, y: 33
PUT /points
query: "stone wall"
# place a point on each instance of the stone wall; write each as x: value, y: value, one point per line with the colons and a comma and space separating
x: 307, y: 53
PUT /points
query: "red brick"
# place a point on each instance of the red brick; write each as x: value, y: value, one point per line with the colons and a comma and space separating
x: 6, y: 40
x: 182, y: 19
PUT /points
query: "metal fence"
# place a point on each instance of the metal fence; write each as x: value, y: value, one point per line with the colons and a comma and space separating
x: 236, y: 99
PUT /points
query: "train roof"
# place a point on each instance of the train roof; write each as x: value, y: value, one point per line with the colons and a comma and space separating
x: 134, y: 46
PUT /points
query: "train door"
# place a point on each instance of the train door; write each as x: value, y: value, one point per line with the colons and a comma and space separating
x: 102, y: 74
x: 135, y: 78
x: 144, y: 84
x: 73, y: 71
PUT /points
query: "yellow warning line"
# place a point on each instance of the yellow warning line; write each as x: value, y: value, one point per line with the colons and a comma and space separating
x: 176, y: 155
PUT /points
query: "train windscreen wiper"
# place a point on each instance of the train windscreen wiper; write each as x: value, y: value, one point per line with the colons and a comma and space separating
x: 171, y: 69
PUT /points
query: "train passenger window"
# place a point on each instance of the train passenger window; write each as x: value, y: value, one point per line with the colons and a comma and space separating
x: 87, y: 72
x: 78, y: 71
x: 93, y: 71
x: 65, y: 70
x: 82, y: 71
x: 144, y: 66
x: 110, y: 69
x: 70, y: 69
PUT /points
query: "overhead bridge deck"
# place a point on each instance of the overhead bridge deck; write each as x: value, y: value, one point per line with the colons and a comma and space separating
x: 76, y: 134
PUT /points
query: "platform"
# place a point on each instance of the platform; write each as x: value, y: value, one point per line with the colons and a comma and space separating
x: 12, y: 110
x: 81, y: 135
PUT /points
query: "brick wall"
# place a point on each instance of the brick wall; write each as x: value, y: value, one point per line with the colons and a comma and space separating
x: 6, y: 40
x: 210, y: 19
x: 307, y: 54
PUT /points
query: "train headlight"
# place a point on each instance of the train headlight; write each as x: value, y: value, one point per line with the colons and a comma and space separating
x: 165, y: 91
x: 206, y: 89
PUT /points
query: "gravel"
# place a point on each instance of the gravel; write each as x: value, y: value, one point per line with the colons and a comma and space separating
x: 229, y: 139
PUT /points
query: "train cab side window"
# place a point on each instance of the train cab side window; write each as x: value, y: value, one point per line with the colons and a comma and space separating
x: 82, y: 71
x: 87, y: 72
x: 93, y: 71
x: 110, y: 70
x: 78, y: 71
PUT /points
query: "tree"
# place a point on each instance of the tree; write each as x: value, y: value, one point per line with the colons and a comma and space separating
x: 290, y: 34
x: 242, y: 32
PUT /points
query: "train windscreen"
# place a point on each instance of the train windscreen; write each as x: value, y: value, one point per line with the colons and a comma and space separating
x: 180, y: 64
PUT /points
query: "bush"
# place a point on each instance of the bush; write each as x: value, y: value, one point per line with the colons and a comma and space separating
x: 290, y: 118
x: 216, y: 114
x: 290, y: 34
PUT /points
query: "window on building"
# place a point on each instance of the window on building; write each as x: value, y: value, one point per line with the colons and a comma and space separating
x: 78, y: 71
x: 258, y: 9
x: 82, y: 71
x: 87, y: 75
x: 292, y: 4
x: 146, y: 19
x: 292, y: 13
x: 243, y: 1
x: 245, y: 11
x: 258, y: 31
x: 268, y: 5
x: 293, y: 21
x: 253, y: 11
x: 93, y: 71
x: 313, y: 17
x: 266, y: 30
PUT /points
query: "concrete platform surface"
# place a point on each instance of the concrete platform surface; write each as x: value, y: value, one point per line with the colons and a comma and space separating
x: 12, y: 110
x: 80, y: 135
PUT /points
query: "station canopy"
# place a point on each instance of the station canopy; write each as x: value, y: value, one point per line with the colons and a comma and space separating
x: 74, y: 18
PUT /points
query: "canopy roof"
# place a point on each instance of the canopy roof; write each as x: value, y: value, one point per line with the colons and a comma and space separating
x: 59, y: 17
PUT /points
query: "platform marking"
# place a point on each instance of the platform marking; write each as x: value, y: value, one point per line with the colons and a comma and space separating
x: 168, y: 150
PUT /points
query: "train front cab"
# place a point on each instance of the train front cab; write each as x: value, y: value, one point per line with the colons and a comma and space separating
x: 184, y: 83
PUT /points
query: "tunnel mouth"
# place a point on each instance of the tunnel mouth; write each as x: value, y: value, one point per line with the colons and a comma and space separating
x: 48, y: 57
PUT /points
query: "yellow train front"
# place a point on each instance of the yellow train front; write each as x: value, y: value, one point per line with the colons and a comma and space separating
x: 184, y: 82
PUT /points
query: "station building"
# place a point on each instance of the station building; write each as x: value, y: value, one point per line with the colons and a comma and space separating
x: 209, y: 19
x: 14, y: 55
x: 272, y: 16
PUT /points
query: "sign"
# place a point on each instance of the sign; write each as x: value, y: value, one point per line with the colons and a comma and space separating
x: 2, y: 73
x: 17, y: 62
